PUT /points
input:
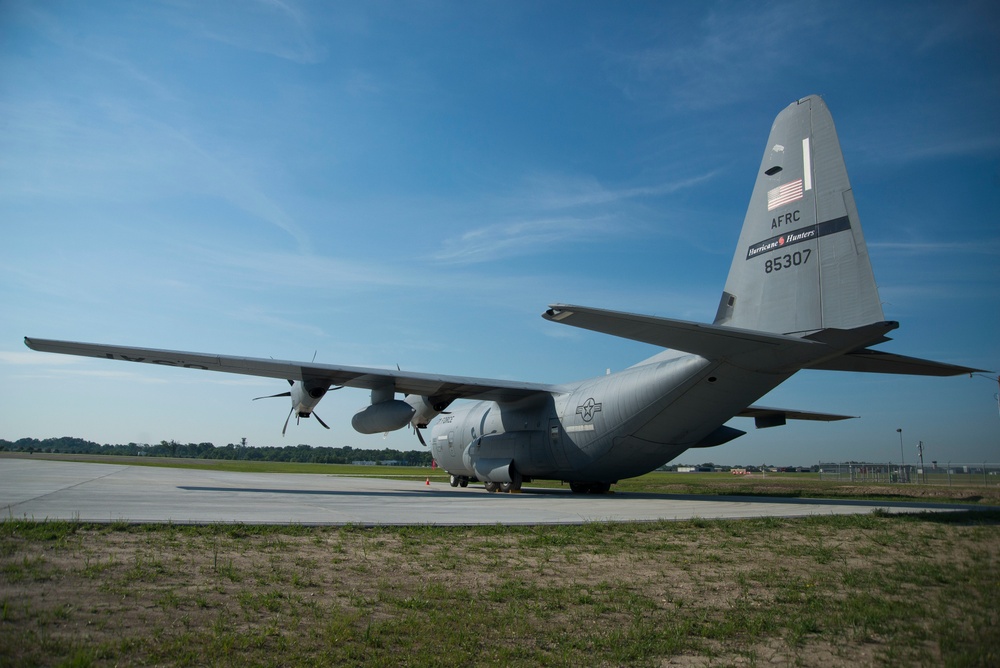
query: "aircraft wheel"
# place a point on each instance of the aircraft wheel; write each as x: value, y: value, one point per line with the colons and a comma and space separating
x: 492, y: 487
x: 514, y: 485
x: 453, y: 481
x: 463, y: 482
x: 579, y: 487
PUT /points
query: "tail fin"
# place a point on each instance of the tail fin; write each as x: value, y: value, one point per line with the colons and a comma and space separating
x: 801, y: 264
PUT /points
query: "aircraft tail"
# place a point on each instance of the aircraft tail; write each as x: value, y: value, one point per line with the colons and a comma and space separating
x: 800, y: 292
x: 801, y: 264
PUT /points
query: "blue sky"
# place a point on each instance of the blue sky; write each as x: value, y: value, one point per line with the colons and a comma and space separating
x: 412, y: 183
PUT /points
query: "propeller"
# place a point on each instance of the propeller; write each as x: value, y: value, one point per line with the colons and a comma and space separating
x: 318, y: 419
x: 292, y: 410
x: 416, y: 429
x: 273, y: 396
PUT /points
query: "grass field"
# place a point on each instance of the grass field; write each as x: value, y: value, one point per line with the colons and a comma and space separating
x: 831, y: 591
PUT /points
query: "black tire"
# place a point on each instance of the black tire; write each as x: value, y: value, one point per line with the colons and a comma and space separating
x: 492, y: 487
x: 516, y: 480
x: 453, y: 480
x: 463, y: 482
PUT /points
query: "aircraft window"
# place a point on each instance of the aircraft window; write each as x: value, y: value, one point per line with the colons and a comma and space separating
x: 774, y: 170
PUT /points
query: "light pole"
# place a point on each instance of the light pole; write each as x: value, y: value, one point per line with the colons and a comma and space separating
x: 920, y: 452
x: 900, y: 432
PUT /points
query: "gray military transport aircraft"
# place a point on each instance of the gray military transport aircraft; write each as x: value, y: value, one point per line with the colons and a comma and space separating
x: 800, y: 295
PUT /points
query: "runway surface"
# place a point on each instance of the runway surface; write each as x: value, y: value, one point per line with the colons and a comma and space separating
x: 40, y: 489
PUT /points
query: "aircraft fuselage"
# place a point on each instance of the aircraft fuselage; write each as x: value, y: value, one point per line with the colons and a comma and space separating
x: 602, y: 429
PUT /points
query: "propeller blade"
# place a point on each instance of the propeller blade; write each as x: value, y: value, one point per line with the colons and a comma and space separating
x: 320, y: 420
x: 286, y: 421
x: 420, y: 437
x: 272, y: 396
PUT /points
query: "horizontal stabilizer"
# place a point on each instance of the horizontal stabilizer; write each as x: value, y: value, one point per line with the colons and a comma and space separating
x: 709, y: 341
x: 874, y: 361
x: 764, y: 414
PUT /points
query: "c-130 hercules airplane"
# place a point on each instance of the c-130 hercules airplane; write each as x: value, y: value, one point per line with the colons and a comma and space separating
x: 800, y: 295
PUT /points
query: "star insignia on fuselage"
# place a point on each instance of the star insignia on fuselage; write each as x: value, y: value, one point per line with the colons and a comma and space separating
x: 588, y: 408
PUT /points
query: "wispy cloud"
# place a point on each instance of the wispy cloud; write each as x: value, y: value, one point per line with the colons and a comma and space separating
x: 501, y: 240
x: 986, y: 247
x: 712, y: 65
x: 550, y: 191
x: 242, y: 190
x: 590, y: 212
x: 29, y: 358
x: 945, y: 147
x: 257, y: 316
x: 283, y: 269
x: 278, y: 28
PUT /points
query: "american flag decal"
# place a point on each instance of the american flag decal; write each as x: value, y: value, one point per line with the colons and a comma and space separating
x: 784, y: 194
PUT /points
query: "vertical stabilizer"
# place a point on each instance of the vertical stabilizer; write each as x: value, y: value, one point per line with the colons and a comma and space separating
x: 801, y: 264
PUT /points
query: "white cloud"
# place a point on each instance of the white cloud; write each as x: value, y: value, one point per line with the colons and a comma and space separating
x: 985, y: 247
x: 30, y: 358
x: 278, y: 28
x: 525, y: 237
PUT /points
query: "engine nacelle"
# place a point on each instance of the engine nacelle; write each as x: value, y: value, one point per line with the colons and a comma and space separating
x: 384, y: 416
x: 425, y: 409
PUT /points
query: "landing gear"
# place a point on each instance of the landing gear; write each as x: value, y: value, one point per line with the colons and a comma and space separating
x: 505, y: 487
x: 514, y: 485
x: 492, y: 487
x: 458, y: 480
x: 590, y: 487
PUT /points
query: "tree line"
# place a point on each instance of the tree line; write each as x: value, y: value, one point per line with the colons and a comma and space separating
x: 240, y: 451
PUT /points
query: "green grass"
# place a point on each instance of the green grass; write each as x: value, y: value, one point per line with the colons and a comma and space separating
x: 873, y: 589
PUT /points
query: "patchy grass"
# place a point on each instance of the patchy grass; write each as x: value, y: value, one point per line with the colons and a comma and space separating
x: 804, y: 485
x: 834, y: 591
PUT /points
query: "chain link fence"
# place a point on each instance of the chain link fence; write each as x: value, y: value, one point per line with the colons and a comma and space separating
x: 951, y: 473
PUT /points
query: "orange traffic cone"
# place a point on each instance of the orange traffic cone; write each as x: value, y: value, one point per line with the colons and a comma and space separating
x: 428, y: 481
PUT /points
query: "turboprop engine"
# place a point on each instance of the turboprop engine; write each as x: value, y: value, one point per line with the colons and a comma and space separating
x: 305, y: 396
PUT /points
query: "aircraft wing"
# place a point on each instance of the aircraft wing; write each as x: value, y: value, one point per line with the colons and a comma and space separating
x: 426, y: 384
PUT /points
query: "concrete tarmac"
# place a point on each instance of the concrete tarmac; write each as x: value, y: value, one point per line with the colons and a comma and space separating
x: 41, y: 489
